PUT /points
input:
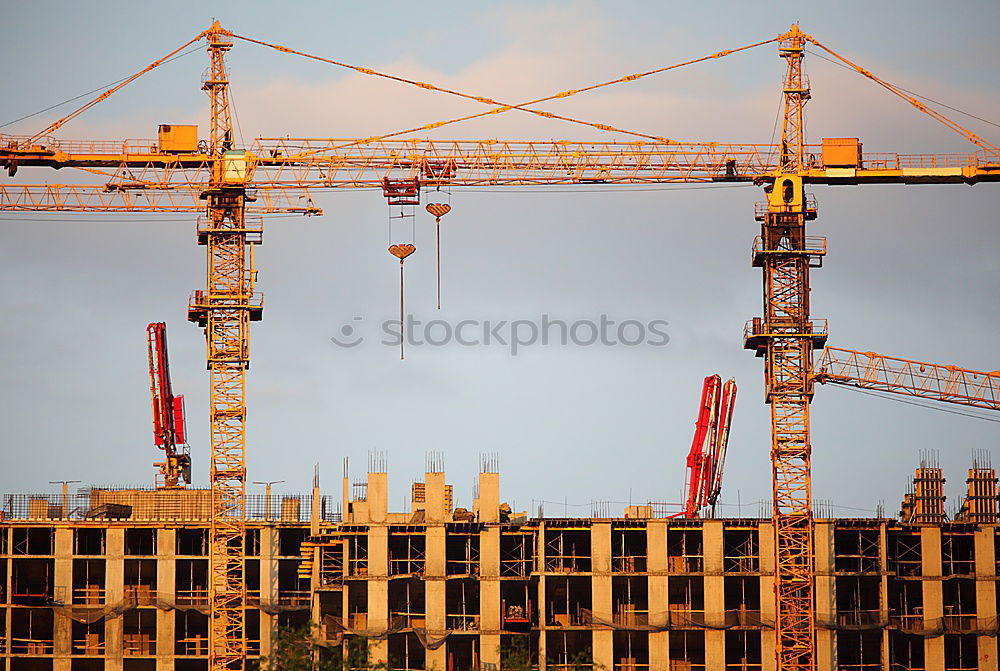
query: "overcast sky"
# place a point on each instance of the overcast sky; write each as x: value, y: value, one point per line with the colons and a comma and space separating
x: 911, y: 271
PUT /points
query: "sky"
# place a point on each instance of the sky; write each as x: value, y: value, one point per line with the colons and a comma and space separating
x: 911, y: 271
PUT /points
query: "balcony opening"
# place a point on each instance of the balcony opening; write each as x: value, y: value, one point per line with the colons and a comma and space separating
x: 140, y: 581
x: 685, y: 552
x: 686, y: 600
x: 631, y: 650
x: 859, y: 650
x: 140, y: 542
x: 252, y: 625
x: 906, y: 604
x: 741, y: 553
x: 742, y: 600
x: 519, y: 651
x: 87, y: 665
x: 687, y: 650
x: 33, y: 541
x: 743, y: 650
x: 191, y: 582
x: 959, y: 604
x: 290, y: 541
x: 3, y: 583
x: 463, y: 653
x: 517, y: 554
x: 630, y: 600
x: 139, y: 632
x: 961, y: 652
x: 293, y: 619
x: 958, y: 554
x: 858, y: 600
x: 569, y: 650
x: 190, y: 633
x: 462, y: 553
x: 905, y: 558
x: 568, y: 601
x: 192, y: 542
x: 292, y: 590
x: 407, y: 553
x: 357, y: 605
x: 357, y: 555
x: 88, y: 541
x: 31, y: 631
x: 251, y: 542
x: 407, y: 603
x: 88, y: 582
x: 138, y: 665
x: 462, y: 604
x: 906, y: 651
x: 191, y: 665
x: 406, y: 652
x: 567, y: 550
x: 31, y: 582
x: 88, y: 637
x: 517, y: 604
x: 628, y: 550
x: 856, y: 550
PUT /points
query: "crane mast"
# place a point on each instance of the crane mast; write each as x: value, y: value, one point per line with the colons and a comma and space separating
x: 169, y: 426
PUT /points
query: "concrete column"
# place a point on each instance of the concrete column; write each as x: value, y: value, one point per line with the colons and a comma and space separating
x: 600, y: 594
x: 114, y: 589
x: 166, y: 586
x: 715, y: 594
x: 825, y: 595
x: 489, y: 592
x: 62, y: 582
x: 542, y: 615
x: 488, y: 506
x: 378, y: 585
x: 883, y: 564
x: 986, y: 596
x: 930, y: 549
x: 434, y: 497
x: 378, y: 497
x: 765, y: 545
x: 268, y: 585
x: 656, y: 563
x: 435, y: 583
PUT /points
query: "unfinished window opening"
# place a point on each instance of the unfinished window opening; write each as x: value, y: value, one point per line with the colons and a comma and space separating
x: 31, y: 581
x: 88, y: 582
x: 567, y: 550
x: 357, y: 555
x: 406, y: 652
x: 31, y: 631
x: 407, y: 553
x: 687, y: 650
x: 357, y: 605
x: 628, y: 550
x: 292, y: 590
x: 859, y: 650
x: 569, y: 650
x: 742, y: 600
x: 905, y: 557
x: 462, y: 604
x: 30, y: 664
x: 686, y: 600
x: 684, y: 551
x: 139, y: 665
x: 407, y: 605
x: 191, y: 582
x: 958, y: 554
x: 88, y: 541
x: 743, y: 650
x: 331, y: 565
x: 517, y: 604
x: 3, y: 586
x: 191, y: 665
x: 87, y: 665
x: 192, y: 542
x: 139, y: 632
x: 462, y: 653
x: 906, y: 651
x: 251, y: 575
x: 140, y: 542
x: 296, y: 619
x: 858, y: 601
x: 88, y: 637
x: 252, y: 624
x: 568, y: 601
x: 3, y: 542
x: 741, y: 553
x: 961, y: 652
x: 630, y: 601
x: 519, y: 651
x: 856, y: 550
x: 290, y: 541
x: 959, y: 604
x: 252, y: 542
x: 140, y: 581
x: 33, y: 541
x: 906, y: 604
x: 190, y: 633
x: 631, y: 650
x: 517, y: 553
x: 462, y: 553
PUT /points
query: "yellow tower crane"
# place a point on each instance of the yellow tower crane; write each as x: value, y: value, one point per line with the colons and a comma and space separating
x: 231, y: 187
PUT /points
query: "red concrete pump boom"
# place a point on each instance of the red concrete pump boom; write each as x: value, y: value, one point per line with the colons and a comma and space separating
x: 168, y: 412
x: 708, y: 449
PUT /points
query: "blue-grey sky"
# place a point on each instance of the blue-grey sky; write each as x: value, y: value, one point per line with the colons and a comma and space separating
x: 912, y: 271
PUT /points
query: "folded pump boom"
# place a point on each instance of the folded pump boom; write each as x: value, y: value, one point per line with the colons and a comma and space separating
x: 708, y: 449
x: 168, y: 413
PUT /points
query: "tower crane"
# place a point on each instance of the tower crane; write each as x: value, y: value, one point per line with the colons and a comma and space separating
x: 169, y: 427
x: 232, y: 187
x: 705, y: 461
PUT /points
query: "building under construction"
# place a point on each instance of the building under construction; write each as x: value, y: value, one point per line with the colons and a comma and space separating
x: 118, y: 579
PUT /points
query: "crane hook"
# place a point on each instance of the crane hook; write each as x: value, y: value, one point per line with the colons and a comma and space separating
x: 401, y: 252
x: 438, y: 210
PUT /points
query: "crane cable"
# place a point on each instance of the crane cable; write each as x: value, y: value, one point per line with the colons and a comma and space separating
x: 934, y: 114
x: 498, y: 106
